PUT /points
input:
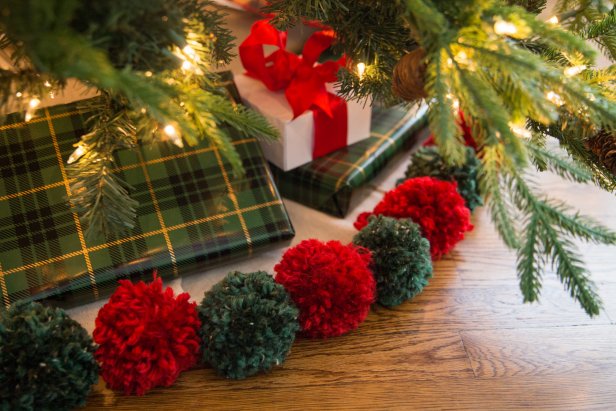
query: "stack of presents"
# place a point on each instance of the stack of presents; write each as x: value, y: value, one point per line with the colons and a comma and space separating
x: 191, y: 216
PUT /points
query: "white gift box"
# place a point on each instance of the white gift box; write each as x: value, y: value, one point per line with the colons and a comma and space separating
x: 295, y: 146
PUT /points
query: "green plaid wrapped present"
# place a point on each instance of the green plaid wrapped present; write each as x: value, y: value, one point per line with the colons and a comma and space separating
x: 327, y: 183
x: 192, y: 214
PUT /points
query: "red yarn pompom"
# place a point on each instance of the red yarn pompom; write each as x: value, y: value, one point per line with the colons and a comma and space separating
x: 435, y: 205
x: 146, y: 337
x: 330, y: 283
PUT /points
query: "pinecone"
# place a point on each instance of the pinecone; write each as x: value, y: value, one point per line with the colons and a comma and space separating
x: 409, y: 74
x: 603, y: 145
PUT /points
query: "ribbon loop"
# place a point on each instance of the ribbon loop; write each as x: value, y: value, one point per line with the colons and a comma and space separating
x: 304, y: 81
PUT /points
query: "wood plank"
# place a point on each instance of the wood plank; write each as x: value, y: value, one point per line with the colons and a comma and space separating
x: 541, y: 351
x: 196, y: 390
x: 481, y: 308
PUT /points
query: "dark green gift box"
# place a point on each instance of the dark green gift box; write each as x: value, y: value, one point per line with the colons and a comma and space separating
x: 193, y: 212
x: 328, y: 182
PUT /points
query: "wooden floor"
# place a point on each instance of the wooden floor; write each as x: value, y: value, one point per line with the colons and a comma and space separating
x: 467, y: 342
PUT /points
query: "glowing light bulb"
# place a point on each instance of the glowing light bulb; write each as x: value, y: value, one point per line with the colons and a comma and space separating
x: 148, y: 73
x: 462, y: 57
x: 170, y: 130
x: 34, y: 103
x: 552, y: 20
x: 47, y: 84
x: 186, y: 66
x: 80, y: 151
x: 28, y: 116
x: 554, y: 98
x: 505, y: 28
x: 520, y: 130
x: 18, y: 94
x: 574, y: 70
x: 190, y: 52
x: 361, y: 69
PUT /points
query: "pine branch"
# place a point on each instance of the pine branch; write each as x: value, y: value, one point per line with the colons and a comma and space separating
x: 558, y: 165
x: 100, y: 197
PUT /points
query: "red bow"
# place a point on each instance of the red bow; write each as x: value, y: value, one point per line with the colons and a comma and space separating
x: 303, y: 80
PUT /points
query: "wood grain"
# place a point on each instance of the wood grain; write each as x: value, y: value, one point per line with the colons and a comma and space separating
x: 541, y: 352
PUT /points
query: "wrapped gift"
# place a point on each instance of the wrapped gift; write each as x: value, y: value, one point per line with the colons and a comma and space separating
x: 297, y: 96
x: 191, y: 214
x: 328, y: 183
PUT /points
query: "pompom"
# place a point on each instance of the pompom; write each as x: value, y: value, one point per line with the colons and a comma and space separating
x: 46, y: 359
x: 146, y: 337
x: 401, y: 260
x: 249, y: 324
x: 330, y: 283
x: 427, y: 161
x: 435, y: 205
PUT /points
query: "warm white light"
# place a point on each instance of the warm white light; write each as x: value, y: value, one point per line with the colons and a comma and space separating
x: 574, y: 70
x: 148, y: 73
x: 462, y: 57
x: 80, y: 151
x: 18, y: 94
x: 505, y: 28
x: 170, y: 130
x: 520, y: 130
x: 34, y: 103
x: 28, y: 116
x: 553, y: 20
x: 186, y: 65
x: 47, y: 84
x: 361, y: 69
x: 190, y: 52
x: 554, y: 98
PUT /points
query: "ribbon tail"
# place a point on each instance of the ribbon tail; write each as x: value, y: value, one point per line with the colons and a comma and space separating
x: 330, y: 132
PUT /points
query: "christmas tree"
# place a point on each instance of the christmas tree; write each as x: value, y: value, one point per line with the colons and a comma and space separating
x: 518, y: 80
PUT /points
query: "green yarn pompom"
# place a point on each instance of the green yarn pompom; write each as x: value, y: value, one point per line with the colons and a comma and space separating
x: 249, y: 324
x: 427, y: 161
x: 46, y: 359
x: 400, y: 258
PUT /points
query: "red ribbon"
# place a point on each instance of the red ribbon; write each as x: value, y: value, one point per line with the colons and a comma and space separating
x: 303, y: 80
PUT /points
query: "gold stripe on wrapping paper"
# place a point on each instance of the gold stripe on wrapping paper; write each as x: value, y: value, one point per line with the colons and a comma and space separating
x: 385, y: 138
x: 5, y: 291
x: 67, y: 186
x: 143, y: 235
x: 159, y: 214
x: 233, y: 198
x: 124, y: 168
x: 39, y: 119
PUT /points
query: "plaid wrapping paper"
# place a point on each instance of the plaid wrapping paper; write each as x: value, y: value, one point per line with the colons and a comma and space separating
x: 327, y: 183
x: 193, y: 212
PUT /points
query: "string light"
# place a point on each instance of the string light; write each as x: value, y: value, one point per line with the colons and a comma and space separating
x: 574, y: 70
x: 34, y: 103
x: 148, y: 73
x: 520, y: 130
x: 190, y: 53
x: 28, y: 116
x: 553, y: 20
x: 462, y: 57
x: 186, y: 65
x: 18, y: 94
x: 505, y: 28
x: 361, y: 69
x: 173, y: 135
x: 554, y: 98
x: 47, y: 84
x: 80, y: 151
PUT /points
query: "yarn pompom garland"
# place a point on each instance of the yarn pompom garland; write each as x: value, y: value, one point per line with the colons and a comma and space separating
x: 401, y: 260
x: 435, y: 205
x: 46, y: 359
x: 146, y: 336
x: 331, y: 284
x: 249, y: 324
x: 427, y: 161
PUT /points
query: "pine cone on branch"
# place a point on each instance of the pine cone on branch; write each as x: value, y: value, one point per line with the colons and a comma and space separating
x: 603, y: 145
